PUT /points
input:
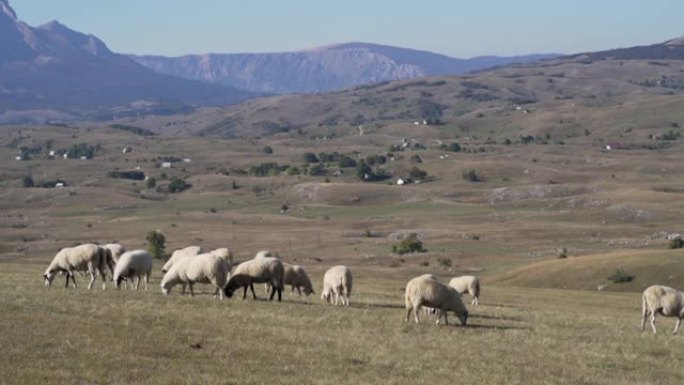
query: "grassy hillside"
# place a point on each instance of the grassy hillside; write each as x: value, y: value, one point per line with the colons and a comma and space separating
x: 569, y: 337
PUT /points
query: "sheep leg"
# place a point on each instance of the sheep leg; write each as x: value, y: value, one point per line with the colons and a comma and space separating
x: 244, y: 292
x: 192, y: 293
x: 679, y: 322
x: 280, y: 294
x: 653, y: 319
x: 92, y: 279
x: 183, y: 289
x: 67, y: 280
x: 147, y: 280
x: 644, y: 315
x: 415, y: 314
x: 408, y: 314
x: 251, y: 287
x: 273, y: 292
x: 73, y: 279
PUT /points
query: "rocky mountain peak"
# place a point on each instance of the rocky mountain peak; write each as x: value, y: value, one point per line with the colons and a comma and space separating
x: 6, y: 10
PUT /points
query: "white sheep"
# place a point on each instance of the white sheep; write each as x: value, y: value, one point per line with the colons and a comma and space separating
x: 258, y: 270
x: 297, y: 278
x: 665, y: 300
x: 467, y: 284
x: 337, y: 282
x: 87, y: 257
x: 115, y: 250
x: 224, y: 253
x: 180, y: 253
x: 131, y: 265
x: 425, y: 291
x: 202, y: 268
x: 266, y: 254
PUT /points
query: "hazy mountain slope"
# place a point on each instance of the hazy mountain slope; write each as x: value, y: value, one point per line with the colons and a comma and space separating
x: 319, y: 70
x: 52, y: 67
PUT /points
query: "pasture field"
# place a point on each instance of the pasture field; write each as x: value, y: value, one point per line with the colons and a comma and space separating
x: 542, y: 320
x: 516, y: 336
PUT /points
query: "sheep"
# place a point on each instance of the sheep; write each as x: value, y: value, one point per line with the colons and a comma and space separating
x: 115, y: 250
x: 180, y: 253
x: 133, y: 264
x: 467, y: 284
x: 266, y: 254
x: 224, y: 253
x: 337, y: 281
x: 202, y: 268
x: 87, y: 257
x: 296, y: 277
x: 257, y: 270
x: 665, y: 300
x: 425, y: 291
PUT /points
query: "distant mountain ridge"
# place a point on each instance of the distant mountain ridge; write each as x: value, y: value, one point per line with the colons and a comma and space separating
x: 321, y: 69
x: 51, y: 72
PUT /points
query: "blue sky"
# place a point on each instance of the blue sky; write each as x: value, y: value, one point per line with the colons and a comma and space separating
x: 451, y: 27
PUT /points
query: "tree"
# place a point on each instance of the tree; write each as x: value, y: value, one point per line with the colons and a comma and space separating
x: 454, y: 147
x: 267, y: 150
x: 310, y: 157
x: 410, y: 244
x: 363, y: 170
x: 27, y: 181
x: 156, y: 243
x: 178, y: 185
x: 151, y: 182
x: 417, y: 174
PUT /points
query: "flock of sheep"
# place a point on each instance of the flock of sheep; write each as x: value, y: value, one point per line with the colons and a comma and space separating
x: 190, y: 265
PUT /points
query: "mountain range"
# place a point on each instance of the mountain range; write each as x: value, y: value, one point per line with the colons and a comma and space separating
x: 51, y: 72
x: 322, y: 69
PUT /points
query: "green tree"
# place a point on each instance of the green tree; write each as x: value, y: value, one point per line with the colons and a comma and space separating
x: 156, y: 243
x: 310, y: 157
x: 151, y: 182
x: 417, y: 174
x: 27, y: 181
x: 178, y: 185
x: 410, y: 244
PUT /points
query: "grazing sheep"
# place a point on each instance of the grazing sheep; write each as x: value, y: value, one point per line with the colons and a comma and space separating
x: 180, y: 253
x: 266, y: 254
x: 115, y: 250
x: 258, y: 270
x: 87, y: 257
x: 425, y: 291
x: 296, y: 277
x: 664, y: 300
x: 202, y: 268
x: 467, y: 284
x: 337, y: 281
x: 131, y: 265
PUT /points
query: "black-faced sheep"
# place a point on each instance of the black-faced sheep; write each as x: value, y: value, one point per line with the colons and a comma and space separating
x: 202, y: 268
x: 425, y: 291
x: 258, y: 270
x: 467, y: 284
x: 87, y: 257
x: 337, y: 282
x: 658, y: 299
x: 131, y: 265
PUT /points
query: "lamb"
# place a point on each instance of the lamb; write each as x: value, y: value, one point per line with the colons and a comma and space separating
x: 337, y: 281
x: 133, y: 264
x: 202, y: 268
x: 87, y: 257
x: 257, y: 270
x: 425, y: 291
x: 467, y: 284
x: 296, y: 277
x: 180, y: 253
x: 665, y: 300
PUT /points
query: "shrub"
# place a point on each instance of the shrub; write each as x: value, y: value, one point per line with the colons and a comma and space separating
x: 417, y: 174
x: 27, y: 181
x: 410, y: 244
x: 178, y: 185
x: 621, y: 277
x: 310, y: 157
x: 676, y: 243
x: 473, y: 175
x: 156, y: 243
x: 267, y: 150
x: 151, y: 182
x: 453, y: 147
x: 444, y: 262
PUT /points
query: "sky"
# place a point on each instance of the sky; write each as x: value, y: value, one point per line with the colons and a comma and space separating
x: 455, y: 28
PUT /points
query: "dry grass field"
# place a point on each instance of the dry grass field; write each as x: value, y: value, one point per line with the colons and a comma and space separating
x: 541, y: 321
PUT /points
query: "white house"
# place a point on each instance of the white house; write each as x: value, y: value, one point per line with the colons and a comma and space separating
x: 187, y: 160
x: 60, y: 184
x: 166, y: 165
x: 17, y: 158
x: 52, y: 153
x: 84, y: 158
x: 65, y: 156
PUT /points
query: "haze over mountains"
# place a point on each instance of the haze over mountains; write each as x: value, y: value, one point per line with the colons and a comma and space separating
x: 51, y: 72
x: 322, y: 69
